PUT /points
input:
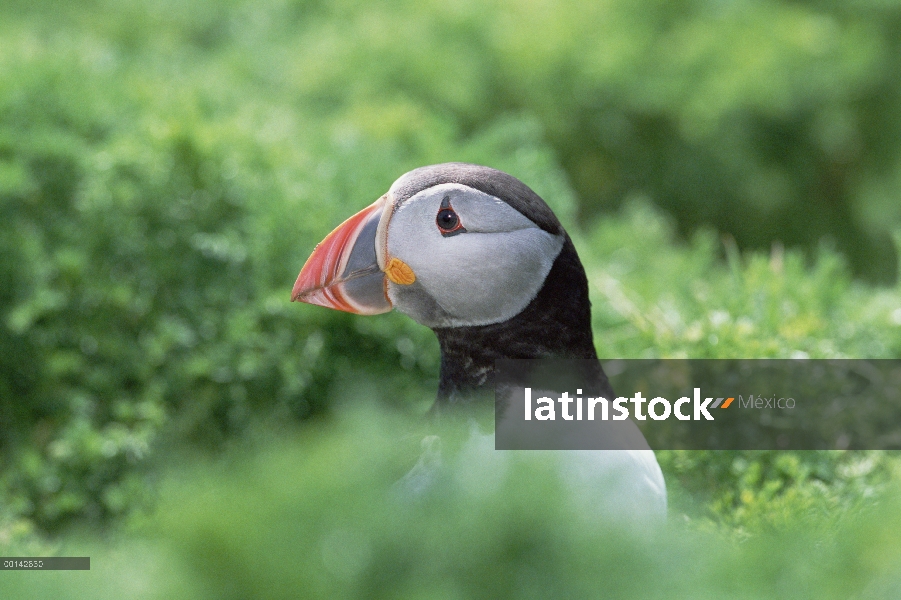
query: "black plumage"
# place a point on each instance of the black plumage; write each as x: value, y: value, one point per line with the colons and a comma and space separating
x: 555, y: 324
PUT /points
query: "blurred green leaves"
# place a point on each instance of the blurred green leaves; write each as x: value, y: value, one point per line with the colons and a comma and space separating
x: 166, y: 167
x: 314, y: 516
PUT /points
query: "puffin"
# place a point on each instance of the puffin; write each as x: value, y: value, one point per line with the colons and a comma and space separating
x: 478, y: 257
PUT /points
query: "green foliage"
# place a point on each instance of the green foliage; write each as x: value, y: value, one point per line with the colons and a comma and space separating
x: 315, y: 517
x: 769, y: 491
x: 772, y: 120
x: 654, y: 300
x: 166, y: 167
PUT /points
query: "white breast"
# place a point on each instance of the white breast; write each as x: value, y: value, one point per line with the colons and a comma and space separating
x: 623, y: 487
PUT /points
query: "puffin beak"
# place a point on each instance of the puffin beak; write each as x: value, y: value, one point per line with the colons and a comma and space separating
x: 343, y: 272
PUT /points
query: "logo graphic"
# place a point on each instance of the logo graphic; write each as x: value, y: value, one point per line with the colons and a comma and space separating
x: 658, y: 409
x: 725, y: 405
x: 773, y: 404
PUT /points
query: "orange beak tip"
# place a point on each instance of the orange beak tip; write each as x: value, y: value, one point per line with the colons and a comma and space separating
x: 333, y: 279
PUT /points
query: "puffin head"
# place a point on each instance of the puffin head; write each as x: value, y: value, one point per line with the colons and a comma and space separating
x: 449, y: 245
x: 469, y: 251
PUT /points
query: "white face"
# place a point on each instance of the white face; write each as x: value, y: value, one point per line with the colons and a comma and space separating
x: 479, y: 261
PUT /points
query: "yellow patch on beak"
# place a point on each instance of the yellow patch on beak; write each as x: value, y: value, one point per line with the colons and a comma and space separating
x: 400, y: 272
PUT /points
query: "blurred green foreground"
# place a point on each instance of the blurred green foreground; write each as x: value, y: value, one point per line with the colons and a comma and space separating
x: 311, y: 516
x: 730, y: 173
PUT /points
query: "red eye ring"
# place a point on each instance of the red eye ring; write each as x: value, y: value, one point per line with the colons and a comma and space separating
x: 447, y: 220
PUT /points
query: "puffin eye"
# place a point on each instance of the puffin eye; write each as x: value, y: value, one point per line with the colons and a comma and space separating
x: 447, y: 220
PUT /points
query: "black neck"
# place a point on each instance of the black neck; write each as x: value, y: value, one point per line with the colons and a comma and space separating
x: 556, y: 324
